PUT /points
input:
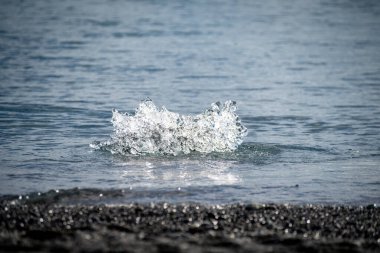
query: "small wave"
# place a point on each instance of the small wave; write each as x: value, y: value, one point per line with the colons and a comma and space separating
x: 153, y: 130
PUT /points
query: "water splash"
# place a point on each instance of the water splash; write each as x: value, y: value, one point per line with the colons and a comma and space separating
x: 153, y: 130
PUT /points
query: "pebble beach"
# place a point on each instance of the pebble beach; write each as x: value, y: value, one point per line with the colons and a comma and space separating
x: 188, y: 228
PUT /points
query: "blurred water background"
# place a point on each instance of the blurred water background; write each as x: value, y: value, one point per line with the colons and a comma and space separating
x: 305, y: 75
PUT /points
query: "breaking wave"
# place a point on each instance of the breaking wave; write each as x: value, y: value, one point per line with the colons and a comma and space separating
x: 153, y: 130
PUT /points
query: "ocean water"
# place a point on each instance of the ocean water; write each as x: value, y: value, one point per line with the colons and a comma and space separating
x: 305, y: 76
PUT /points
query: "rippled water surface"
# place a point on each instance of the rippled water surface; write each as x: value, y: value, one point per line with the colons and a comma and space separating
x: 305, y: 75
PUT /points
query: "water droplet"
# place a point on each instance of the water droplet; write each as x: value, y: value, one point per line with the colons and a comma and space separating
x: 155, y: 130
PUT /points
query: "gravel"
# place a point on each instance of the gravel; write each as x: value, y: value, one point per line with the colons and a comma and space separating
x: 184, y: 227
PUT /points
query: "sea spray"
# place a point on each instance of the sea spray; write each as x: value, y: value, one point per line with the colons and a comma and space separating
x: 153, y: 130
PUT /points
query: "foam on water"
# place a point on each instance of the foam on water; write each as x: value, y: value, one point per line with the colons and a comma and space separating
x: 153, y: 130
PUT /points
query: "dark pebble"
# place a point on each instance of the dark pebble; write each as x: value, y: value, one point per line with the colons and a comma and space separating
x: 189, y: 228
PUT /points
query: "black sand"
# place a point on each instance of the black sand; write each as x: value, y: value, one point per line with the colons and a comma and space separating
x: 188, y: 228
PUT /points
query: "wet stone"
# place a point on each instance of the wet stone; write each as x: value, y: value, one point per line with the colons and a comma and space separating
x: 163, y: 227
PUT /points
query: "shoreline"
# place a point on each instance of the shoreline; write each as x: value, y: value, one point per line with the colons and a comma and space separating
x: 166, y: 227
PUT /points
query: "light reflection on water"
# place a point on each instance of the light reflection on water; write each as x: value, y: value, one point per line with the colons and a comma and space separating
x: 180, y: 173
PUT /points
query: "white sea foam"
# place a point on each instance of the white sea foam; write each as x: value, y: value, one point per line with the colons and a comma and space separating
x: 153, y: 130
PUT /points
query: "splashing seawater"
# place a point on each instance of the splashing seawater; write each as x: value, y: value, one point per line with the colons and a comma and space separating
x: 153, y: 130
